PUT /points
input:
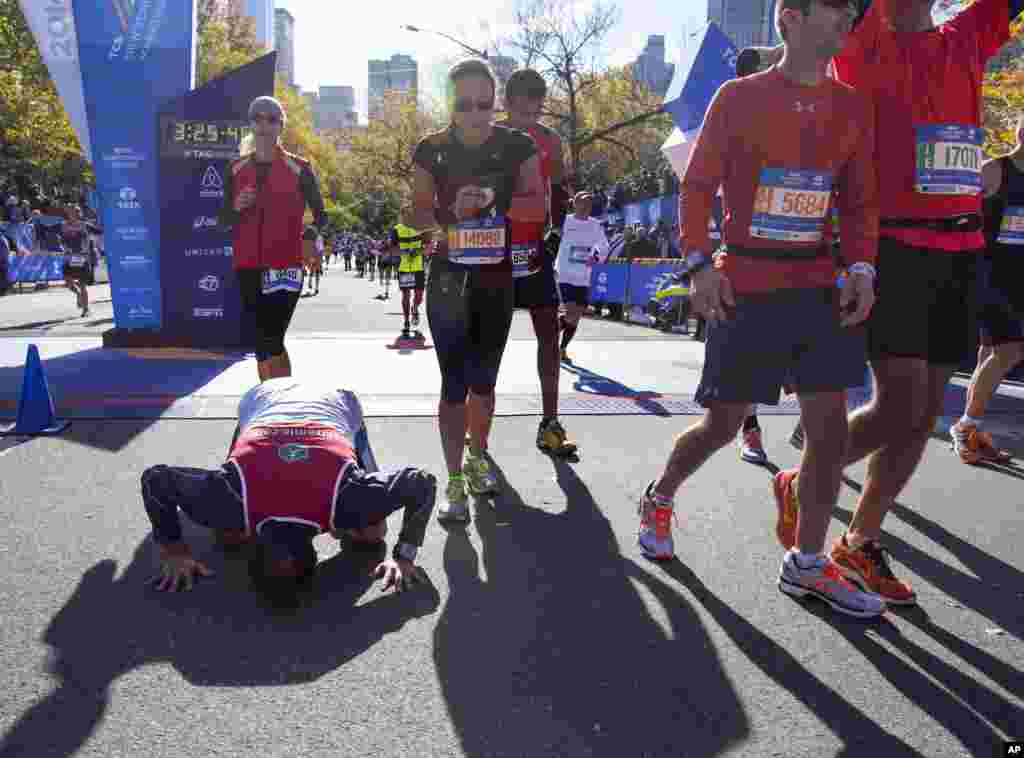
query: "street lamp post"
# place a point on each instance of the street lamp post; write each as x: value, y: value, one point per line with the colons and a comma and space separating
x: 463, y: 45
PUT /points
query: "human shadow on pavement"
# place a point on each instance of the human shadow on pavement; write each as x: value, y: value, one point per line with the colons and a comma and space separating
x: 966, y: 708
x: 591, y: 383
x: 552, y: 644
x: 219, y: 635
x: 983, y: 590
x: 848, y: 723
x: 116, y: 384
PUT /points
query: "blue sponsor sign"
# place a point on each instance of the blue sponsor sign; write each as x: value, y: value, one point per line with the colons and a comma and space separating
x: 200, y: 134
x: 25, y: 262
x: 647, y: 277
x: 134, y: 55
x: 608, y: 282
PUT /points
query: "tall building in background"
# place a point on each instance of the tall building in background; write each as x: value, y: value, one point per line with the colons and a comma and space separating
x: 746, y: 22
x: 651, y: 68
x: 333, y: 108
x: 262, y: 12
x: 399, y: 74
x: 284, y: 42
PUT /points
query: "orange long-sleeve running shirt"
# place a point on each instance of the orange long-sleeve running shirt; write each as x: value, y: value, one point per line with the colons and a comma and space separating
x: 782, y: 152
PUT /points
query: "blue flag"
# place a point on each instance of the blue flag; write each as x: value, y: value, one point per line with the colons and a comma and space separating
x: 708, y: 62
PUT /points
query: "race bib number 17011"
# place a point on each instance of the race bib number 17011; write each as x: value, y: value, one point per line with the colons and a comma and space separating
x: 791, y: 206
x: 948, y: 159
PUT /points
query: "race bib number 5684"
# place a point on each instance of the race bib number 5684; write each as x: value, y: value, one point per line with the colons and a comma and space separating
x: 791, y: 205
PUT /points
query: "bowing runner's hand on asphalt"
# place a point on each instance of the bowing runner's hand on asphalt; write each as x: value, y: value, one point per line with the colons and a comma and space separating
x: 400, y: 574
x: 711, y: 294
x: 856, y: 299
x: 178, y: 566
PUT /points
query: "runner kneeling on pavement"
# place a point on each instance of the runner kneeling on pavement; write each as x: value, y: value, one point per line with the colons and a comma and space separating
x: 536, y: 287
x: 300, y: 465
x: 471, y: 179
x: 265, y: 197
x: 583, y: 244
x: 411, y: 276
x: 786, y: 319
x: 1001, y: 312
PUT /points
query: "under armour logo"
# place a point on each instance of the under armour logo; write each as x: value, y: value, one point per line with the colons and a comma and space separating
x: 805, y: 107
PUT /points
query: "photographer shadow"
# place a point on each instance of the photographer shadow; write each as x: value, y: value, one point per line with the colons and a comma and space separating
x: 551, y: 643
x: 113, y: 625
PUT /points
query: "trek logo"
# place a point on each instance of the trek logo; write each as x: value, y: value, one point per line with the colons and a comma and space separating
x: 209, y: 283
x: 212, y: 185
x: 805, y: 107
x: 293, y: 453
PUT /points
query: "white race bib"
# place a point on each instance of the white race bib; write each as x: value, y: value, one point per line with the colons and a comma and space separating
x: 282, y: 280
x: 76, y: 261
x: 478, y: 243
x: 581, y: 254
x: 791, y: 206
x: 521, y: 257
x: 1011, y: 232
x: 948, y: 159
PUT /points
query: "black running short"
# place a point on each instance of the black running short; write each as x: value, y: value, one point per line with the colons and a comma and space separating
x: 926, y: 306
x: 469, y: 322
x: 412, y: 280
x: 265, y: 318
x: 537, y: 290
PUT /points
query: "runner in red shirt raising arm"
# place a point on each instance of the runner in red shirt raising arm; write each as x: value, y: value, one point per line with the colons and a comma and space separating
x: 924, y: 84
x: 770, y: 299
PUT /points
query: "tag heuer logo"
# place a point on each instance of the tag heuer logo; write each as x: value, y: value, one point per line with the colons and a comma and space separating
x: 293, y: 453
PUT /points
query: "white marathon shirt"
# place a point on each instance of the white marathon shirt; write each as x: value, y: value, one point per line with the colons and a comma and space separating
x: 290, y: 401
x: 581, y: 239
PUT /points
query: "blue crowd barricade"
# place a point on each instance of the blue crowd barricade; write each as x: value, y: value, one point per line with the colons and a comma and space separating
x: 647, y: 275
x: 609, y: 282
x: 26, y: 262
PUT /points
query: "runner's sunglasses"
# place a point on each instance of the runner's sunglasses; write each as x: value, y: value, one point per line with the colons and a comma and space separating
x: 273, y: 120
x: 468, y: 106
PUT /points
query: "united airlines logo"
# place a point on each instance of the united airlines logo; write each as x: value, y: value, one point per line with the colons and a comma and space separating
x: 293, y: 453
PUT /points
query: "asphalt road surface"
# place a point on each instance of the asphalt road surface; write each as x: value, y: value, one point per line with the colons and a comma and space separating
x: 543, y: 632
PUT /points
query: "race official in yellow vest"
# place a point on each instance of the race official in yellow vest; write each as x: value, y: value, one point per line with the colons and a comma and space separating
x: 411, y: 277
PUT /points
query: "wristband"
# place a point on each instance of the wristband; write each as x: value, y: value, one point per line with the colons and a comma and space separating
x: 863, y: 268
x: 403, y: 551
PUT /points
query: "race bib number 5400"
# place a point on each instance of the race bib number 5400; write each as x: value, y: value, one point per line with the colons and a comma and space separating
x: 948, y: 159
x: 791, y: 206
x: 282, y: 280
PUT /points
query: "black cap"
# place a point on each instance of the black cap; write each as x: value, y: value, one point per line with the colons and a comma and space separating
x: 748, y: 62
x: 287, y: 540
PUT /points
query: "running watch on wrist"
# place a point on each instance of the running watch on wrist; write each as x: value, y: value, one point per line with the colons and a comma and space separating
x: 863, y: 268
x: 403, y: 551
x: 696, y: 262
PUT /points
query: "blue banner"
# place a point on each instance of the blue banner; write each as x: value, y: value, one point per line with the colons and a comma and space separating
x: 647, y: 276
x: 135, y: 55
x: 199, y: 136
x: 608, y: 282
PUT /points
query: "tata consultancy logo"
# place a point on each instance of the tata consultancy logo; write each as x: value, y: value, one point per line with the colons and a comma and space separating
x: 209, y: 283
x: 128, y: 199
x: 212, y: 185
x: 293, y: 453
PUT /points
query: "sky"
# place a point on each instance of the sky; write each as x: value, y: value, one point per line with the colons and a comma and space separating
x: 334, y: 41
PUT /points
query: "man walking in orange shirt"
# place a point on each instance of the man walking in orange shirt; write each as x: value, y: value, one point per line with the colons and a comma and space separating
x: 773, y: 310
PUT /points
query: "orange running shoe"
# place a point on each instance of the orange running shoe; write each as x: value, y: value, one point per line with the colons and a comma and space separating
x: 868, y: 568
x: 975, y: 446
x: 784, y: 485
